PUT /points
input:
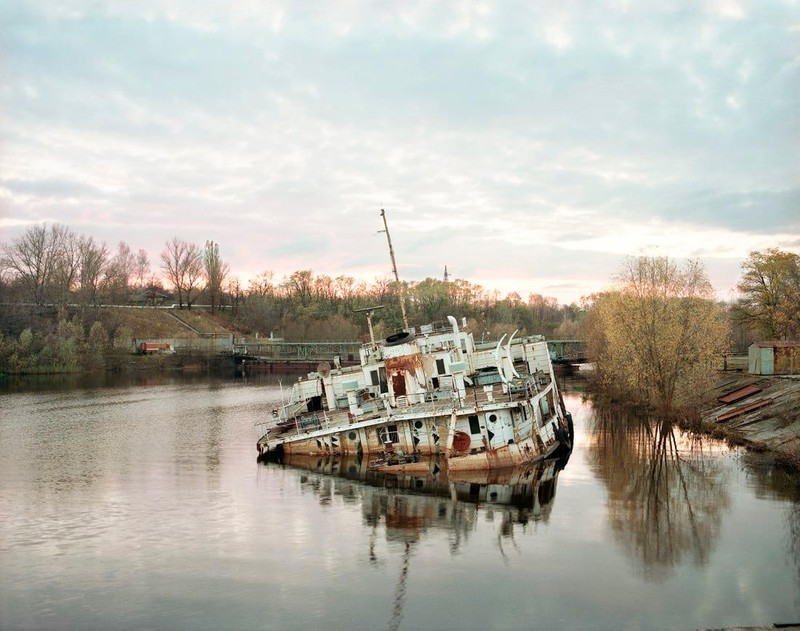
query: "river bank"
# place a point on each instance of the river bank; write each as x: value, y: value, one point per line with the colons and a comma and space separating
x: 762, y: 413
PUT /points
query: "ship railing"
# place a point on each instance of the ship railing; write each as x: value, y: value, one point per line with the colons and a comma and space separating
x: 440, y: 395
x: 517, y: 390
x: 291, y: 410
x: 262, y: 428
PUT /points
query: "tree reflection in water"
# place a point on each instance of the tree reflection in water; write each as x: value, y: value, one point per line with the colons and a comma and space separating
x: 665, y: 501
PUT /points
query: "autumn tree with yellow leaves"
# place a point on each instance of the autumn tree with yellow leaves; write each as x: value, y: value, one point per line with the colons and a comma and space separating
x: 657, y: 334
x: 770, y: 294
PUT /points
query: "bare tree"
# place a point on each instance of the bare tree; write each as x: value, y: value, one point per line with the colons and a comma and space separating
x: 34, y: 258
x: 93, y: 262
x: 216, y: 272
x: 380, y: 290
x: 323, y: 288
x: 120, y: 271
x: 299, y: 285
x: 142, y: 269
x: 183, y: 266
x: 262, y: 285
x: 66, y: 271
x: 234, y: 290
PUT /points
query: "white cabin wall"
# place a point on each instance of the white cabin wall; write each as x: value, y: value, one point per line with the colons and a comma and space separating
x: 538, y: 357
x: 341, y: 382
x: 330, y: 395
x: 482, y: 359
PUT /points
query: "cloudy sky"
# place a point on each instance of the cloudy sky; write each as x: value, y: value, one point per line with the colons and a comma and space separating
x: 529, y: 146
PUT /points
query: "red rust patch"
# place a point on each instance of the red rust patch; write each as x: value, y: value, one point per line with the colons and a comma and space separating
x: 409, y: 363
x: 461, y: 441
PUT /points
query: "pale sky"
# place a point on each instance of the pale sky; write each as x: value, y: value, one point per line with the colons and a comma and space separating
x: 529, y: 146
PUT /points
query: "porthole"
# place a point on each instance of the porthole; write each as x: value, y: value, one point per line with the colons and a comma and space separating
x: 352, y: 435
x: 492, y: 418
x: 418, y: 424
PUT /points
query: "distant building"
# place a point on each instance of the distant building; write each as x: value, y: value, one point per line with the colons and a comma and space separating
x: 149, y: 296
x: 774, y: 358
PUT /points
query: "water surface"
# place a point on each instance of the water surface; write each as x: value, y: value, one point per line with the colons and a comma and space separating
x: 142, y: 506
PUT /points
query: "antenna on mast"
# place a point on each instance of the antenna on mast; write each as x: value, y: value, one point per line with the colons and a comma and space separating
x: 370, y: 311
x: 394, y: 269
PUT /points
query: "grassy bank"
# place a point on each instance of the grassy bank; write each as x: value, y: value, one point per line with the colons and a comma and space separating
x: 80, y: 340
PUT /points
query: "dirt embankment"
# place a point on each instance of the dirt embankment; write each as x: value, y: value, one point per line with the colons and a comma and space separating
x: 174, y: 325
x: 162, y: 323
x: 761, y: 412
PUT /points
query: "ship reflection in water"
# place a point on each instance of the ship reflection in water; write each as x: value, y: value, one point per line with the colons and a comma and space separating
x: 408, y: 503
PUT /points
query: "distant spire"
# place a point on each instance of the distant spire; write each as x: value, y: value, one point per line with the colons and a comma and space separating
x: 446, y: 275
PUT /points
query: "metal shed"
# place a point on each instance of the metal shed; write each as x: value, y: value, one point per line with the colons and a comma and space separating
x: 774, y: 358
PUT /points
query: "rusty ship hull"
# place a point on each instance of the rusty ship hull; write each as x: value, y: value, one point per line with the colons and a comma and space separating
x: 429, y: 392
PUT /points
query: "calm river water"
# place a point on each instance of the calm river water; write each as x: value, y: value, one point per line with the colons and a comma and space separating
x: 142, y: 506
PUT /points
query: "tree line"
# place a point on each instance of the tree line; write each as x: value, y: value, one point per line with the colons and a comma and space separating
x: 52, y: 265
x: 655, y: 333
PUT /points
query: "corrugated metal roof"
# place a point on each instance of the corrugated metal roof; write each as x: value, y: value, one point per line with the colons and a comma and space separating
x: 743, y: 410
x: 776, y: 344
x: 739, y: 394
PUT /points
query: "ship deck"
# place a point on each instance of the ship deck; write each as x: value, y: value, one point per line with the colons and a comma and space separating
x: 436, y: 404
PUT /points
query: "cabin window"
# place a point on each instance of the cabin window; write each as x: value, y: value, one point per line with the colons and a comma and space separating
x: 543, y: 404
x: 474, y: 425
x: 314, y: 404
x: 435, y: 383
x: 388, y: 434
x: 440, y: 367
x: 378, y: 378
x: 546, y: 403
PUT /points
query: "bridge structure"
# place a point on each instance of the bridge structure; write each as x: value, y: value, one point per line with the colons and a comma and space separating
x: 276, y: 356
x: 567, y: 351
x: 270, y: 355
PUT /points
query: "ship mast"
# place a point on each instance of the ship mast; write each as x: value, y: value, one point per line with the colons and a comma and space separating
x: 394, y: 269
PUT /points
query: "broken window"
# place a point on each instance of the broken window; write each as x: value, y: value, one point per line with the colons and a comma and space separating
x: 388, y: 434
x: 378, y: 378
